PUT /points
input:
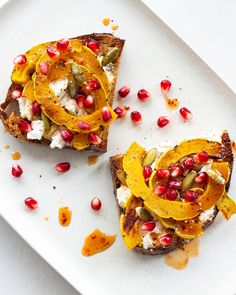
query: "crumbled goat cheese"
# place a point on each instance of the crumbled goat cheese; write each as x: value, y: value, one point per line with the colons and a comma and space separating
x: 207, y: 215
x: 25, y: 106
x: 57, y: 141
x: 147, y: 239
x: 37, y: 130
x: 123, y: 193
x: 59, y: 86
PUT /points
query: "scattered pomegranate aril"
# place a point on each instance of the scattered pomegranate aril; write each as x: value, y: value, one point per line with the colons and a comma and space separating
x: 165, y: 87
x: 36, y: 109
x: 93, y: 84
x: 148, y: 226
x: 67, y: 135
x: 201, y: 177
x: 93, y: 45
x: 143, y: 95
x: 52, y: 51
x: 88, y: 101
x: 20, y: 59
x: 63, y: 167
x: 166, y: 240
x: 96, y: 204
x: 189, y: 163
x: 190, y: 195
x: 63, y: 44
x: 16, y: 93
x: 171, y: 194
x: 160, y: 190
x: 31, y: 203
x: 121, y: 111
x: 136, y: 117
x: 124, y: 91
x: 186, y: 114
x: 16, y: 170
x: 202, y: 157
x: 44, y: 68
x: 162, y: 174
x: 106, y: 114
x: 147, y: 172
x: 163, y: 121
x: 24, y: 126
x: 80, y: 100
x: 174, y: 184
x: 176, y: 171
x: 84, y: 125
x: 94, y: 138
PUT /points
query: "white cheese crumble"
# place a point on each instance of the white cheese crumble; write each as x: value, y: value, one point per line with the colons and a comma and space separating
x: 207, y: 215
x: 68, y: 103
x: 37, y: 130
x: 59, y: 86
x: 25, y: 106
x: 57, y: 141
x: 147, y: 239
x: 110, y: 75
x: 123, y: 193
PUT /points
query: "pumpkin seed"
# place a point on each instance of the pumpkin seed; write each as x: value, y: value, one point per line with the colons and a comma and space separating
x: 198, y: 167
x: 76, y: 69
x: 80, y: 79
x: 53, y: 129
x: 150, y: 157
x: 46, y: 122
x: 121, y: 176
x: 189, y: 180
x: 216, y: 176
x: 72, y: 87
x: 143, y: 213
x: 111, y: 55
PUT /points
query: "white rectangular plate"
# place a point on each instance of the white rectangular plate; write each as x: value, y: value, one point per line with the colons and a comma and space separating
x: 151, y: 52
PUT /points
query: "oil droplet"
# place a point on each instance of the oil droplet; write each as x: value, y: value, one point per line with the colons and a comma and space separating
x: 173, y: 103
x: 46, y: 218
x: 106, y: 21
x: 6, y: 146
x: 92, y: 159
x: 64, y: 216
x: 16, y: 156
x: 114, y: 27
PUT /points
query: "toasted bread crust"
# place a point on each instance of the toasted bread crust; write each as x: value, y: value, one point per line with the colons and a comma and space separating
x: 116, y: 164
x: 106, y: 41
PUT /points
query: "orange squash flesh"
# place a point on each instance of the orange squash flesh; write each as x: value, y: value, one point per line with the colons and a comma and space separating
x: 227, y: 206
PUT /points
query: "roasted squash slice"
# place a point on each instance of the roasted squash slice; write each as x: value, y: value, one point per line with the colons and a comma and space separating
x: 227, y: 206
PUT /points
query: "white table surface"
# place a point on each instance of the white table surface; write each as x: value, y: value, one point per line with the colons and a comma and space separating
x: 208, y: 27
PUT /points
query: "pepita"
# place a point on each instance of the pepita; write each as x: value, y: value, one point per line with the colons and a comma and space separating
x: 121, y: 176
x: 216, y: 176
x: 76, y: 69
x: 189, y: 180
x: 111, y: 55
x: 53, y: 129
x: 143, y: 213
x: 150, y: 157
x: 72, y: 87
x: 46, y: 122
x: 80, y: 79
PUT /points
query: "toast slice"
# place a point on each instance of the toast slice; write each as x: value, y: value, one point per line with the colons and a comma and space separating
x: 146, y: 247
x: 106, y: 42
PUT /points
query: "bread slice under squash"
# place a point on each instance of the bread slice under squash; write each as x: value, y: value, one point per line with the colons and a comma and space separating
x: 106, y: 43
x: 116, y: 163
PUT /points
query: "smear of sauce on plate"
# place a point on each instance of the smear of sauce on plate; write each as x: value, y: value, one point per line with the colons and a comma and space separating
x: 179, y: 258
x: 16, y: 156
x: 64, y: 216
x: 106, y: 21
x: 92, y: 159
x: 114, y: 27
x: 172, y: 103
x: 97, y: 242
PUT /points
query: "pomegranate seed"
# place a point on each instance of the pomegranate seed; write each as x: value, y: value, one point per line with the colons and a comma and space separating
x: 166, y: 240
x: 136, y: 117
x: 89, y: 101
x: 31, y: 203
x: 165, y: 87
x: 163, y: 121
x: 190, y: 195
x: 124, y: 91
x: 148, y: 226
x: 171, y: 194
x: 186, y: 114
x: 20, y: 60
x: 80, y: 100
x: 143, y: 95
x: 63, y: 167
x: 84, y: 125
x: 94, y: 138
x: 52, y: 51
x: 96, y: 204
x: 147, y: 171
x: 24, y: 126
x: 162, y: 174
x: 93, y: 45
x: 201, y: 177
x: 202, y: 157
x: 16, y: 170
x: 121, y: 111
x: 106, y: 114
x: 93, y: 84
x: 44, y: 68
x: 16, y: 93
x: 174, y: 184
x: 160, y: 190
x: 176, y: 171
x: 36, y: 109
x: 189, y: 163
x: 63, y: 44
x: 67, y: 135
